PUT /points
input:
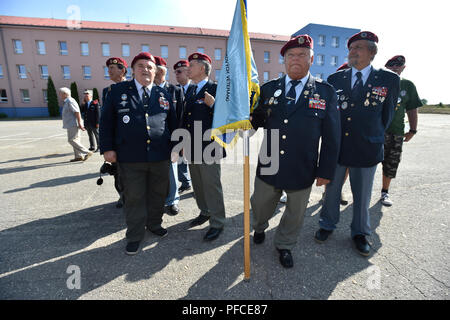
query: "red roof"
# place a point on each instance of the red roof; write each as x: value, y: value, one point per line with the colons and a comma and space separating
x: 116, y: 26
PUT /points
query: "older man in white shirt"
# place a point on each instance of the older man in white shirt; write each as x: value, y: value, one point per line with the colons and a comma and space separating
x: 72, y: 121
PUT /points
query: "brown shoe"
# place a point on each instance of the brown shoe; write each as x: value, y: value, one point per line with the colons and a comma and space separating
x: 87, y: 156
x: 76, y: 159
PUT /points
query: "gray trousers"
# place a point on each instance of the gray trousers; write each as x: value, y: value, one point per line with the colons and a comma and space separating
x: 264, y: 201
x: 145, y: 188
x: 208, y: 192
x: 73, y: 137
x: 93, y: 136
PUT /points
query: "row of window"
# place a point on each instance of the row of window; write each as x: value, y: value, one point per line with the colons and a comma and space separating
x: 106, y: 50
x: 334, y: 41
x: 24, y: 95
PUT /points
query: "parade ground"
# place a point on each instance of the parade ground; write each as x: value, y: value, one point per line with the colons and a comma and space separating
x: 61, y: 236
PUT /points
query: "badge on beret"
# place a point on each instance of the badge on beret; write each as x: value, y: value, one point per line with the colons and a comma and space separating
x: 301, y: 40
x: 126, y: 119
x: 114, y: 61
x: 179, y: 64
x: 124, y: 97
x: 363, y: 35
x: 277, y: 93
x: 195, y: 56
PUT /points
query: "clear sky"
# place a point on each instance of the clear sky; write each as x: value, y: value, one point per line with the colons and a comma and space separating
x: 414, y: 28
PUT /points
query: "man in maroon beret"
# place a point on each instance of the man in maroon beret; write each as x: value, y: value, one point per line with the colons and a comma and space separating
x: 297, y: 111
x: 136, y: 125
x: 395, y: 135
x: 203, y: 156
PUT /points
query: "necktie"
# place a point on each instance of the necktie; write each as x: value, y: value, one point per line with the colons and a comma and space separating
x: 357, y: 87
x: 291, y: 95
x: 145, y: 97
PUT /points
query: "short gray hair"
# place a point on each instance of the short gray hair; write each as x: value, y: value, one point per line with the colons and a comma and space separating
x: 207, y: 66
x: 65, y: 90
x: 372, y: 46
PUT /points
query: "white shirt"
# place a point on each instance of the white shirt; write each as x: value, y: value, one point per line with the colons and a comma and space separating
x: 298, y: 88
x: 162, y: 84
x: 364, y: 72
x: 201, y: 84
x: 186, y: 86
x: 140, y: 89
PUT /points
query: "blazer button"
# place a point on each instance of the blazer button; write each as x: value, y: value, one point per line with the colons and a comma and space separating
x: 352, y: 104
x: 148, y: 141
x: 148, y: 127
x: 286, y: 121
x: 281, y: 152
x: 188, y: 125
x: 189, y: 113
x: 283, y: 137
x: 346, y: 134
x: 349, y: 119
x: 146, y: 115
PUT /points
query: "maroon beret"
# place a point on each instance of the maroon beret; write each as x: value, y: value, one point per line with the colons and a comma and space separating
x: 301, y: 41
x: 181, y: 63
x: 363, y: 35
x: 115, y: 60
x: 143, y: 55
x: 343, y: 66
x: 397, y: 61
x: 160, y: 61
x: 199, y: 56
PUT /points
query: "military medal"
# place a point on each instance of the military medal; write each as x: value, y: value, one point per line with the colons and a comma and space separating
x: 123, y: 103
x: 368, y: 94
x: 366, y: 103
x: 126, y: 119
x: 342, y: 98
x: 399, y: 100
x: 403, y: 93
x: 306, y: 92
x: 275, y: 102
x: 382, y: 99
x: 277, y: 93
x: 124, y: 97
x: 316, y: 96
x: 374, y: 103
x: 271, y: 101
x: 344, y: 105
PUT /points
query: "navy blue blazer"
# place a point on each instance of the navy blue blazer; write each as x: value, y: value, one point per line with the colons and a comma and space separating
x: 195, y: 110
x: 301, y: 126
x: 136, y: 132
x: 366, y: 117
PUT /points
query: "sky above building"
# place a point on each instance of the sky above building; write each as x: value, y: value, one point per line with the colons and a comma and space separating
x: 415, y: 29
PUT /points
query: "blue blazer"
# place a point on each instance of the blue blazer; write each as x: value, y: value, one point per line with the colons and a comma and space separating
x: 301, y: 126
x: 136, y: 132
x: 366, y: 117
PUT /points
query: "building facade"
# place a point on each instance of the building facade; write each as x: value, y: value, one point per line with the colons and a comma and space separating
x: 330, y: 47
x: 34, y: 49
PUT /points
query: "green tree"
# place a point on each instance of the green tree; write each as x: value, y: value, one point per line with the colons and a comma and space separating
x: 74, y: 92
x: 52, y: 99
x: 95, y: 94
x: 424, y: 102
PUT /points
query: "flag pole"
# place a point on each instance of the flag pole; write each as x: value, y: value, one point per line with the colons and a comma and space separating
x: 246, y: 206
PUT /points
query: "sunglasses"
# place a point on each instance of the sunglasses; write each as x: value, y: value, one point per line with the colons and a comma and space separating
x: 178, y: 71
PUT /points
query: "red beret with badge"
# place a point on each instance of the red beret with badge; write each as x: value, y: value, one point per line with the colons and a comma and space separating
x: 181, y: 63
x: 343, y: 66
x: 396, y: 61
x: 160, y: 61
x: 143, y: 55
x: 301, y: 41
x: 199, y: 56
x: 115, y: 60
x: 363, y: 35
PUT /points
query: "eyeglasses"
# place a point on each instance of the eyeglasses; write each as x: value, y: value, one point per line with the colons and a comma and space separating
x: 178, y: 71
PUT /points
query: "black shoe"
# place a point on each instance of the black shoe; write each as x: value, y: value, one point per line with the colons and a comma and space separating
x: 172, y: 210
x: 212, y: 234
x: 322, y: 235
x: 132, y: 248
x: 184, y: 188
x: 362, y: 245
x: 286, y: 258
x: 160, y: 232
x: 201, y: 219
x: 258, y: 237
x: 91, y: 149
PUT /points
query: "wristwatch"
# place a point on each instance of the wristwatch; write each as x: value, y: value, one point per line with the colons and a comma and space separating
x: 413, y: 131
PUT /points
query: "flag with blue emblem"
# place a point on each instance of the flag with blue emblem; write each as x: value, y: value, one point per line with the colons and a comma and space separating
x: 238, y: 86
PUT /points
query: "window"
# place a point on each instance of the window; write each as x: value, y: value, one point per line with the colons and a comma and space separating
x: 125, y: 50
x: 44, y: 72
x: 40, y: 47
x: 84, y: 48
x: 201, y: 50
x: 321, y: 40
x: 105, y: 73
x: 218, y: 54
x: 319, y: 75
x: 22, y: 71
x: 280, y: 59
x: 145, y: 48
x: 1, y: 71
x: 44, y: 95
x: 105, y: 50
x: 182, y: 53
x: 335, y: 42
x: 63, y: 48
x: 320, y: 59
x: 18, y: 46
x: 66, y: 72
x: 3, y: 96
x: 334, y: 61
x: 266, y: 76
x: 25, y: 95
x: 217, y: 74
x: 266, y: 56
x: 129, y: 73
x: 87, y: 72
x: 165, y: 52
x: 167, y: 76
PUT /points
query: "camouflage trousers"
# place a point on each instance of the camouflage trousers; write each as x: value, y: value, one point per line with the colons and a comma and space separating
x: 392, y: 154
